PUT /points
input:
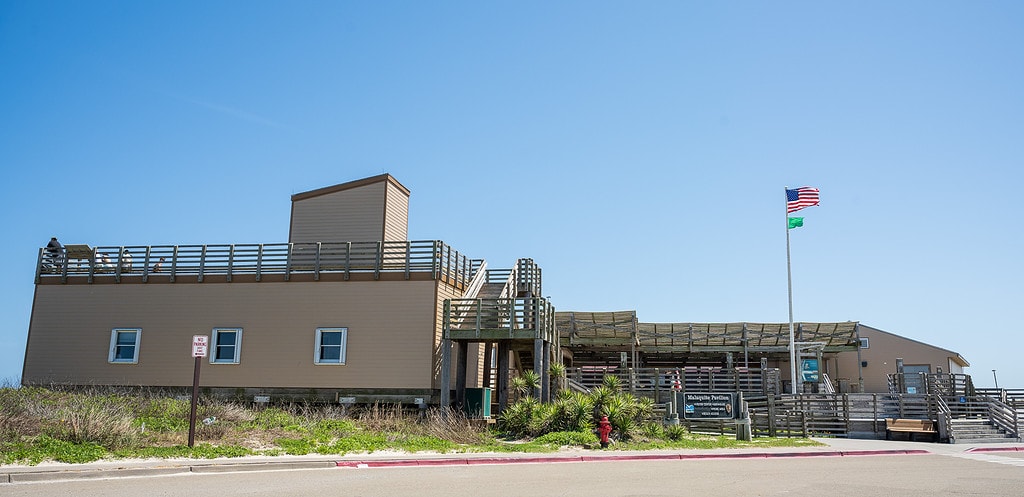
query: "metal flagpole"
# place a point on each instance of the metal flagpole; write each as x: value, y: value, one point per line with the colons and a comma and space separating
x: 789, y: 280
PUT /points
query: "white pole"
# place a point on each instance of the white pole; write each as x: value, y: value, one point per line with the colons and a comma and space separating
x: 789, y: 280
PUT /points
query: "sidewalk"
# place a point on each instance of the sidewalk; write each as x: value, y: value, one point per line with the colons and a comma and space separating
x: 837, y: 447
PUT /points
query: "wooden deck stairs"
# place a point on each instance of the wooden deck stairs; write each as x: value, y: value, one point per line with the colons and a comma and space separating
x: 976, y: 431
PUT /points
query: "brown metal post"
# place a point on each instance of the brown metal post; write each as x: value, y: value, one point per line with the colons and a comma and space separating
x: 195, y: 402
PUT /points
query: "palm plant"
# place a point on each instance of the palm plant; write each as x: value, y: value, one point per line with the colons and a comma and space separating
x: 557, y: 373
x: 612, y: 382
x: 525, y: 383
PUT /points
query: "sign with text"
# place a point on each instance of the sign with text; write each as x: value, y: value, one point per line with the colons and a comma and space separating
x: 709, y: 405
x: 200, y: 345
x: 809, y: 370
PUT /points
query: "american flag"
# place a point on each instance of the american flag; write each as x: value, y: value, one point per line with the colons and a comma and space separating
x: 801, y: 197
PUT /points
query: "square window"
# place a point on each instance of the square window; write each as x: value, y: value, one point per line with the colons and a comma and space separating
x: 864, y: 343
x: 124, y: 345
x: 330, y: 346
x: 227, y: 345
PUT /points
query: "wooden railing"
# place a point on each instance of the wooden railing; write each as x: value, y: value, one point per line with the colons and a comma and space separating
x: 1005, y: 407
x: 931, y: 383
x: 528, y: 278
x: 493, y: 319
x: 172, y: 261
x: 751, y: 381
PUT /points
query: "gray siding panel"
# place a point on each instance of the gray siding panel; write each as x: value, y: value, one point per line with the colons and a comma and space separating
x: 392, y: 330
x: 353, y: 215
x: 396, y: 215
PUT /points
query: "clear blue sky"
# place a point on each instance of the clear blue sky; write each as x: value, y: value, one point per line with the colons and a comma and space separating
x: 637, y: 151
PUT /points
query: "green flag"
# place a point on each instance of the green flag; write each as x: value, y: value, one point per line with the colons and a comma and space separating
x: 796, y: 222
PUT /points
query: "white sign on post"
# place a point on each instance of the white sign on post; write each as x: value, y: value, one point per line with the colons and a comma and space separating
x: 200, y: 344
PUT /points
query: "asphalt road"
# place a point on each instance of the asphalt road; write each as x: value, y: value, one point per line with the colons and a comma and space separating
x: 862, y: 476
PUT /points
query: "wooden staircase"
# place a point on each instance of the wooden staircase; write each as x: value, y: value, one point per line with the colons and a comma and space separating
x: 976, y: 431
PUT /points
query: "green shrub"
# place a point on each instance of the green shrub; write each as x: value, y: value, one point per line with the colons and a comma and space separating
x: 675, y: 432
x: 516, y: 419
x: 69, y: 452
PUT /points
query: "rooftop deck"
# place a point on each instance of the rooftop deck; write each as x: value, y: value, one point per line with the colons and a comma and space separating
x: 282, y: 261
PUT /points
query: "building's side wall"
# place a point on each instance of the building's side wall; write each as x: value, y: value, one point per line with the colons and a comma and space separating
x: 396, y: 214
x: 391, y: 333
x: 351, y: 215
x: 880, y: 356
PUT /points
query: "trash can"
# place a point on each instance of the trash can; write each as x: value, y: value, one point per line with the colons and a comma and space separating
x: 844, y: 385
x: 478, y: 403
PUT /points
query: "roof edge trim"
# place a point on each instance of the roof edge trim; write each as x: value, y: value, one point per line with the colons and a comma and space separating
x: 352, y: 184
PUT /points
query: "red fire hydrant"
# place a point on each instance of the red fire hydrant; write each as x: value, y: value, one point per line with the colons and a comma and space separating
x: 604, y: 428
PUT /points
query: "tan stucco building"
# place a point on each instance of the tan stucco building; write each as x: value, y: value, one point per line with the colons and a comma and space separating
x: 349, y: 308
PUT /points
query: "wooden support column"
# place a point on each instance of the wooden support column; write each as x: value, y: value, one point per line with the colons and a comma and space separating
x: 538, y: 365
x: 461, y: 361
x: 446, y: 373
x: 764, y: 377
x: 503, y: 379
x: 545, y: 392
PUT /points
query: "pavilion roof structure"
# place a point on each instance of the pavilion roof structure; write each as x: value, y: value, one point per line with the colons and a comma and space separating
x: 621, y: 331
x: 589, y: 329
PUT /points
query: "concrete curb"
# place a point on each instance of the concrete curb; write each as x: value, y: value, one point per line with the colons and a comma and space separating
x: 121, y: 472
x: 461, y: 461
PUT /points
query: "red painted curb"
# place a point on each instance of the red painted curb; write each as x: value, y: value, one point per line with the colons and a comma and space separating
x: 996, y: 449
x: 442, y: 462
x: 623, y: 457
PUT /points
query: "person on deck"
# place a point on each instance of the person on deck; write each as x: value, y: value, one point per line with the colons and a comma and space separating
x: 126, y: 262
x: 53, y: 253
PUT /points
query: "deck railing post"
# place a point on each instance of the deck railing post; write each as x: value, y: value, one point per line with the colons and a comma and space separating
x: 348, y: 259
x: 174, y: 263
x: 380, y: 260
x: 479, y: 313
x: 92, y: 264
x: 316, y: 262
x: 120, y: 264
x: 202, y: 263
x: 145, y: 264
x: 259, y: 262
x: 288, y: 262
x: 231, y: 261
x: 408, y: 259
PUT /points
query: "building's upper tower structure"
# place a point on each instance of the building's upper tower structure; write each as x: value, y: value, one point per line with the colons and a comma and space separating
x: 370, y: 209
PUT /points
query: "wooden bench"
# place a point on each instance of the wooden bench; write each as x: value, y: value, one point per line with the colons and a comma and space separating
x: 909, y: 426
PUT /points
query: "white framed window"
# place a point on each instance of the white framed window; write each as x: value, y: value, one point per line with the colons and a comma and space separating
x: 864, y: 344
x: 225, y: 345
x: 124, y: 345
x: 330, y: 346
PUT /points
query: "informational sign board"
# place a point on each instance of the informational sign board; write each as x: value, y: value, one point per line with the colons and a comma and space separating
x: 200, y: 345
x: 809, y: 370
x: 709, y: 405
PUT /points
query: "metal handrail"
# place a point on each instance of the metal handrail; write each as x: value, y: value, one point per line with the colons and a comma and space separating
x: 943, y: 416
x: 1002, y: 415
